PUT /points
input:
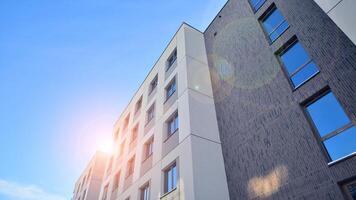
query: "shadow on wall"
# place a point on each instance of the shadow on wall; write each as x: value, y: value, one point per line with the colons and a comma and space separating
x: 265, y: 186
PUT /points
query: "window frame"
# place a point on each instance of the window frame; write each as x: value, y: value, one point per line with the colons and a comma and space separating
x: 287, y: 46
x: 322, y: 139
x: 174, y: 55
x: 138, y: 105
x: 168, y: 88
x: 142, y: 191
x: 152, y: 86
x: 166, y: 171
x: 170, y: 120
x: 263, y: 18
x: 150, y: 109
x: 116, y: 181
x: 254, y: 9
x: 134, y: 133
x: 130, y: 166
x: 148, y: 149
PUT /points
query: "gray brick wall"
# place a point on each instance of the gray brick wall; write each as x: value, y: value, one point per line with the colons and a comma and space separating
x: 270, y: 150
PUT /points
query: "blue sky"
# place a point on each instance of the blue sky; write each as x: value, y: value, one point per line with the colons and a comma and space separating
x: 67, y: 70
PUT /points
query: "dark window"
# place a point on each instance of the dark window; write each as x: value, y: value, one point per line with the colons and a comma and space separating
x: 173, y: 124
x: 172, y: 58
x: 145, y: 192
x: 257, y: 4
x: 153, y: 84
x: 299, y: 65
x: 138, y: 105
x: 150, y: 113
x: 336, y: 131
x: 274, y: 24
x: 130, y: 166
x: 351, y: 191
x: 170, y: 178
x: 171, y: 88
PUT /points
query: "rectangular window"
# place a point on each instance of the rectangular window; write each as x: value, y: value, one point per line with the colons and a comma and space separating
x: 170, y: 178
x: 172, y: 59
x: 145, y: 192
x: 274, y: 23
x: 257, y: 4
x: 134, y: 133
x: 105, y: 193
x: 126, y: 122
x: 148, y: 148
x: 153, y: 84
x: 171, y: 88
x: 138, y: 105
x: 335, y: 129
x: 298, y: 64
x: 350, y: 191
x: 116, y: 181
x: 150, y: 113
x: 130, y: 166
x: 122, y: 148
x: 173, y: 124
x: 85, y: 192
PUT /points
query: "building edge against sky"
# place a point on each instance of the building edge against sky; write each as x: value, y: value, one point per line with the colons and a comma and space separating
x: 169, y: 129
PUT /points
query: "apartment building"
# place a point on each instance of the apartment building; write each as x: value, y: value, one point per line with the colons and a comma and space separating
x: 284, y: 83
x: 89, y: 183
x: 167, y: 142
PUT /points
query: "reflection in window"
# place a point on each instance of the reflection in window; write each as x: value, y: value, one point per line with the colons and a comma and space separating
x: 170, y: 178
x: 336, y: 131
x: 256, y: 4
x: 145, y: 192
x: 274, y: 24
x: 171, y: 88
x: 298, y: 64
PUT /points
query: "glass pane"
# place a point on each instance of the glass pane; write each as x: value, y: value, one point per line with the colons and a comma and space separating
x: 174, y: 174
x: 352, y: 190
x: 169, y: 180
x: 327, y: 114
x: 294, y: 57
x: 304, y: 74
x: 342, y: 144
x: 256, y: 4
x: 273, y: 21
x: 279, y: 31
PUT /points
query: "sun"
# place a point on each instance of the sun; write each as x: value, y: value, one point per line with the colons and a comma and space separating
x: 105, y: 146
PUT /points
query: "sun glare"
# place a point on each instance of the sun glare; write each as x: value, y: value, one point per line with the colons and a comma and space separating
x: 105, y: 146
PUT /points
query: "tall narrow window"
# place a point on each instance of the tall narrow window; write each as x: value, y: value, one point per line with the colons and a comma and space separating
x: 148, y: 148
x: 116, y: 181
x: 150, y: 113
x: 173, y: 124
x: 130, y: 166
x: 105, y: 193
x: 126, y: 122
x: 172, y: 59
x: 299, y: 65
x: 153, y: 84
x: 171, y: 88
x: 336, y: 131
x: 145, y: 192
x: 274, y: 23
x: 170, y: 178
x: 257, y: 4
x: 134, y: 133
x: 138, y: 105
x: 122, y: 148
x: 350, y: 190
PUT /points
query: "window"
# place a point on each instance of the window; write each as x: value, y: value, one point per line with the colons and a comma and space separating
x: 274, y: 24
x: 116, y: 181
x: 105, y: 193
x: 130, y: 166
x: 150, y: 113
x: 153, y: 84
x: 335, y: 129
x: 173, y: 124
x: 172, y: 58
x: 350, y: 190
x: 134, y: 133
x: 171, y: 88
x: 298, y: 64
x: 108, y: 170
x: 170, y: 178
x: 145, y: 192
x: 122, y: 148
x: 85, y: 192
x: 126, y: 122
x: 148, y: 148
x: 257, y: 4
x: 138, y: 105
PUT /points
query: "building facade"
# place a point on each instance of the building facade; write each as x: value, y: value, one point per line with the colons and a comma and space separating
x: 167, y: 142
x: 284, y: 84
x: 262, y: 105
x: 89, y: 183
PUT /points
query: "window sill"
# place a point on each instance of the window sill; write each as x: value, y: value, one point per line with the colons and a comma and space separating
x: 144, y: 160
x: 167, y: 193
x: 170, y: 135
x: 342, y: 159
